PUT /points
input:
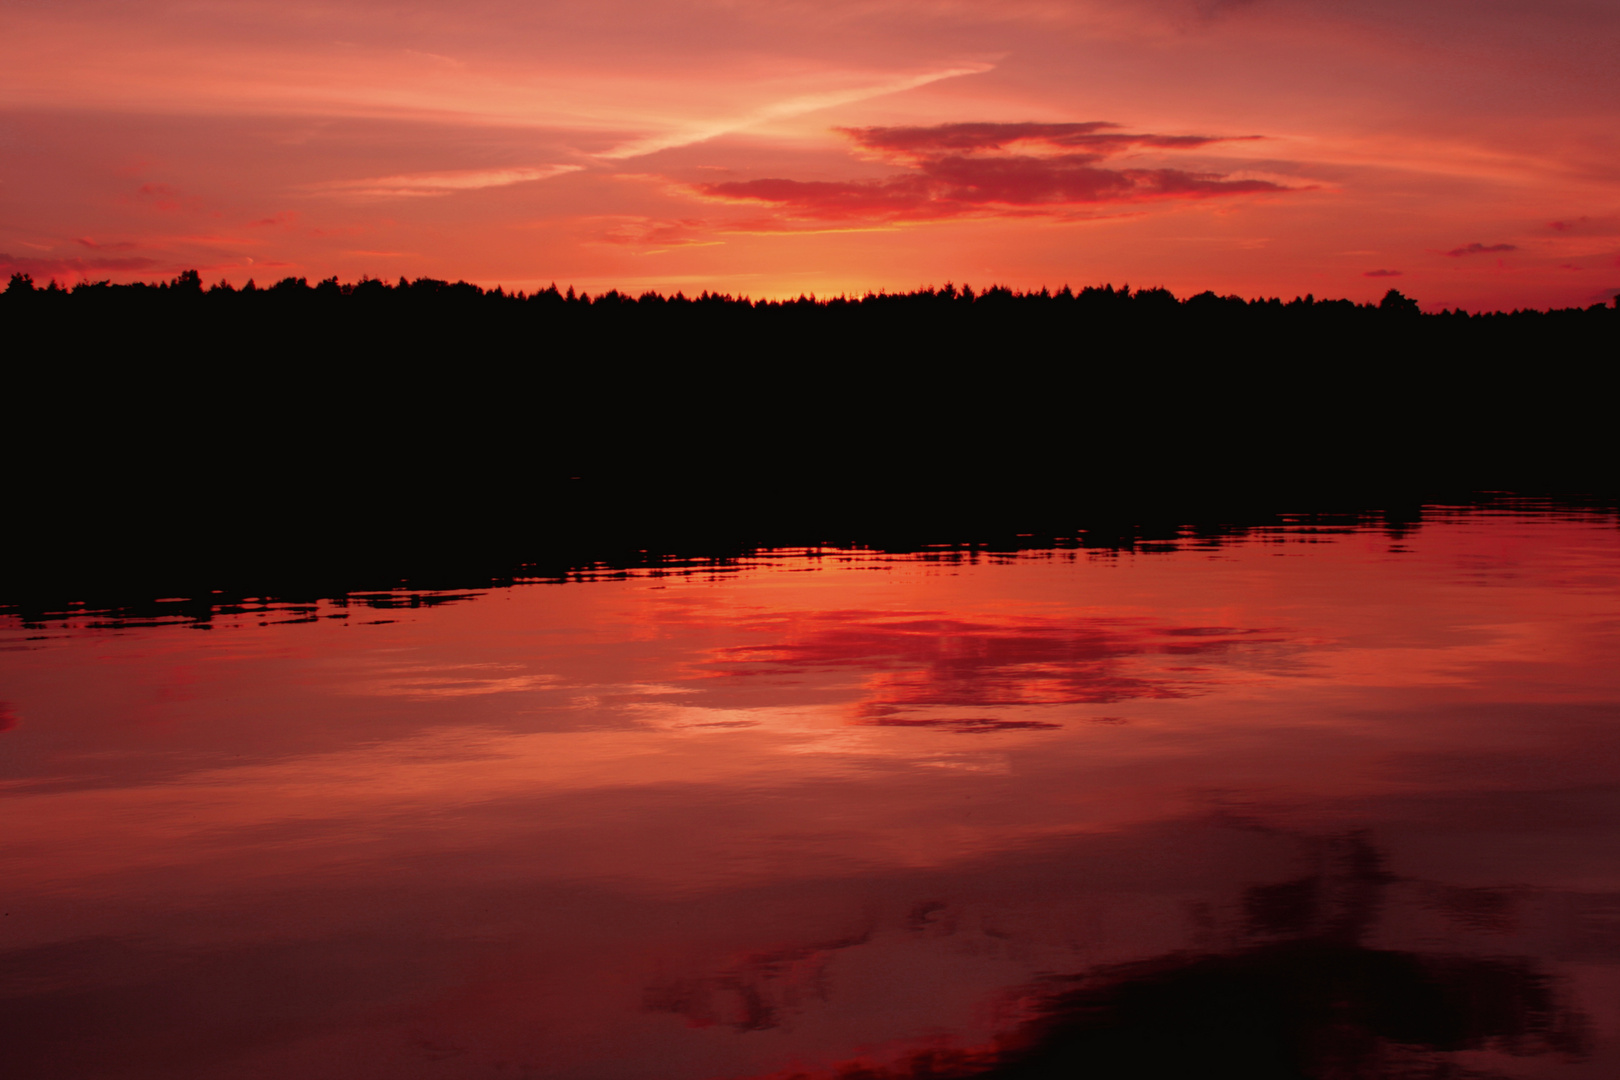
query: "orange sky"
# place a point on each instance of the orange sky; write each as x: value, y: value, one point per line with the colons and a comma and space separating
x: 1464, y: 151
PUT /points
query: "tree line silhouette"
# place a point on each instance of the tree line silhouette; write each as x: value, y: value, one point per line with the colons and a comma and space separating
x: 172, y: 438
x: 425, y: 295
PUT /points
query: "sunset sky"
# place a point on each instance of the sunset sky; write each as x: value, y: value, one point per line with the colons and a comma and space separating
x: 1466, y: 152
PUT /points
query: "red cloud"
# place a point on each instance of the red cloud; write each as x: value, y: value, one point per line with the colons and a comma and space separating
x: 163, y: 197
x: 285, y: 217
x: 119, y: 245
x: 47, y: 268
x: 1381, y: 273
x: 1096, y: 137
x: 952, y: 186
x: 835, y: 199
x: 1480, y: 249
x: 957, y: 169
x: 1587, y: 226
x: 658, y: 233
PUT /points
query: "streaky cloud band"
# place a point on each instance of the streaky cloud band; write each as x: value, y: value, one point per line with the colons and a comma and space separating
x: 441, y: 183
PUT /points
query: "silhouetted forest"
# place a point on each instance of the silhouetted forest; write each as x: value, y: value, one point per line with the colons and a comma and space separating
x: 171, y: 439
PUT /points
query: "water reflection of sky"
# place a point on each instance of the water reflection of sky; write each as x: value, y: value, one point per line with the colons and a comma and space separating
x: 818, y: 811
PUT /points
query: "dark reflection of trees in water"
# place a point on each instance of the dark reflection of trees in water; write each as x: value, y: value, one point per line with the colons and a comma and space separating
x: 304, y: 441
x: 1308, y: 1008
x: 1303, y: 1000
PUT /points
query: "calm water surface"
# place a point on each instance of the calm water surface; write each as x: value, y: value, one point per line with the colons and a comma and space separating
x: 816, y: 815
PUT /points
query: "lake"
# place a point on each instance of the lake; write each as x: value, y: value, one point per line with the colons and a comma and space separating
x: 1317, y: 802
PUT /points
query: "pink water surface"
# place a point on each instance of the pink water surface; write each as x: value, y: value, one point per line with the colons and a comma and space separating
x: 799, y: 813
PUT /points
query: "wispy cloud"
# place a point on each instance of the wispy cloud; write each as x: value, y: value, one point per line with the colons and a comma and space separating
x: 440, y: 183
x: 786, y: 109
x: 1587, y: 226
x: 71, y: 267
x: 658, y: 234
x: 117, y: 245
x: 1481, y: 249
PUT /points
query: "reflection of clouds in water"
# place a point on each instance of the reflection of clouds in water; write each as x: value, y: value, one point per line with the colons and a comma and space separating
x: 967, y: 725
x: 661, y: 716
x: 756, y: 990
x: 825, y: 729
x: 976, y: 763
x: 474, y: 679
x: 918, y: 660
x: 623, y: 697
x: 452, y: 680
x: 663, y: 859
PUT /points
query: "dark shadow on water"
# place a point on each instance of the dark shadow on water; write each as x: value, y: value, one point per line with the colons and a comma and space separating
x: 1296, y: 1010
x: 1303, y: 999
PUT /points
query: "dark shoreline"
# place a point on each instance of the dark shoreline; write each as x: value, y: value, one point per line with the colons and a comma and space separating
x: 297, y: 442
x: 121, y: 593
